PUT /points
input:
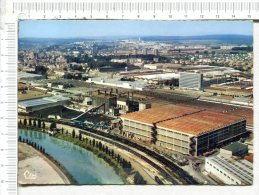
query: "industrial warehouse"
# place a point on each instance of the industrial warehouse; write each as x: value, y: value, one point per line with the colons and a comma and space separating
x: 41, y: 103
x: 183, y: 129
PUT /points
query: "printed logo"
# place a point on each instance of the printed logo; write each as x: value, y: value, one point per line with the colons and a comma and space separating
x: 28, y: 175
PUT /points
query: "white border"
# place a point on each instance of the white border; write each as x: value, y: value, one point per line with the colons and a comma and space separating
x: 177, y: 190
x: 128, y: 190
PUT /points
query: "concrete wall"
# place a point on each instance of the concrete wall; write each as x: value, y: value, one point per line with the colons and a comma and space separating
x: 213, y: 168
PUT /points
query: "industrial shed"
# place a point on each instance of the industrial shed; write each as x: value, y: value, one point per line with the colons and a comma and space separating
x: 42, y: 103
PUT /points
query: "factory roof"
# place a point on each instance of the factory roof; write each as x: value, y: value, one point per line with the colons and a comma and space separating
x: 163, y: 76
x: 155, y: 115
x: 184, y: 119
x: 235, y: 147
x: 241, y: 169
x: 200, y: 122
x: 24, y: 75
x: 41, y: 101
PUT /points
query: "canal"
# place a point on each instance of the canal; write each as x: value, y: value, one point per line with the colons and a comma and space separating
x: 83, y: 165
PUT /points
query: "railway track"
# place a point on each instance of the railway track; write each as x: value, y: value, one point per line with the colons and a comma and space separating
x: 183, y: 176
x: 125, y: 144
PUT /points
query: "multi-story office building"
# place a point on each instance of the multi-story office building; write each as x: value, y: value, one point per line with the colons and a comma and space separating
x: 155, y: 52
x: 183, y: 129
x: 191, y: 80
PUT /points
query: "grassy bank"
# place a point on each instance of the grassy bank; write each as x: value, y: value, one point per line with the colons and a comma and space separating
x: 121, y: 167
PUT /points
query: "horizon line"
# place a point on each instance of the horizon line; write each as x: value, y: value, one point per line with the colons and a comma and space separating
x: 96, y: 36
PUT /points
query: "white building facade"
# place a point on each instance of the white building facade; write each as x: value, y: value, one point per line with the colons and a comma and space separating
x: 229, y: 170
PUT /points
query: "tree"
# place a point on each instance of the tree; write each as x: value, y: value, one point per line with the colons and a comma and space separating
x: 39, y: 123
x: 73, y: 133
x: 53, y: 126
x: 25, y: 122
x: 100, y: 145
x: 112, y: 153
x: 138, y: 179
x: 118, y: 158
x: 40, y: 69
x: 34, y: 123
x: 124, y: 164
x: 129, y: 165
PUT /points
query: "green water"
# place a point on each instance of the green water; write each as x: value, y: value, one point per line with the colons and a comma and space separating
x: 83, y: 165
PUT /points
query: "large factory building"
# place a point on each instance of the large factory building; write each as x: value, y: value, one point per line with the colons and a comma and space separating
x: 183, y: 129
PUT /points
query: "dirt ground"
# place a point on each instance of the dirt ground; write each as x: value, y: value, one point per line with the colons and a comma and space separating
x: 35, y: 168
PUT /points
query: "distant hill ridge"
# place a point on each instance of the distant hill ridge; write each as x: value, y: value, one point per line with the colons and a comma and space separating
x: 223, y: 39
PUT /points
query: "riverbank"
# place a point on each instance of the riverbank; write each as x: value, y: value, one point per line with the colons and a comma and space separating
x: 35, y: 168
x: 83, y: 165
x: 138, y: 165
x: 104, y: 153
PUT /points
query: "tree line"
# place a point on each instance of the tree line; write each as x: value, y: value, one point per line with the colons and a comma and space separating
x: 94, y: 144
x: 36, y: 123
x: 33, y: 144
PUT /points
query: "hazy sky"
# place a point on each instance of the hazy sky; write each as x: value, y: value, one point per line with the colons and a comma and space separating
x: 83, y: 28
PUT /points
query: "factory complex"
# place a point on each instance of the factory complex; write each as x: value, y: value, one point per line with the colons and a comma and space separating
x: 183, y: 129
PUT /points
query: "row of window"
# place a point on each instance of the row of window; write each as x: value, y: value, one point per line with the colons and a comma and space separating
x: 162, y: 143
x: 215, y: 168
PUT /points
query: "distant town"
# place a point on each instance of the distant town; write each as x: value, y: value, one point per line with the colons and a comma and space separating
x: 157, y: 109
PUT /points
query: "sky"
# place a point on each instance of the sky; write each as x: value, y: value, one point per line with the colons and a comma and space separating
x: 89, y: 28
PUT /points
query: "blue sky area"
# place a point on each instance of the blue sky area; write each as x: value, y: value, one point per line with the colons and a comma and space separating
x: 85, y: 28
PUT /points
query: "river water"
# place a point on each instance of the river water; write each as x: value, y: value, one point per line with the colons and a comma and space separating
x: 83, y: 165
